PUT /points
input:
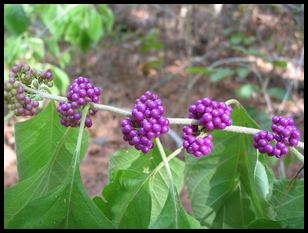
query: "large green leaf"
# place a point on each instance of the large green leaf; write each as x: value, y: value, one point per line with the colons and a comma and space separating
x: 122, y: 163
x: 15, y: 19
x: 247, y: 90
x: 49, y: 195
x: 278, y: 93
x: 107, y: 16
x: 55, y: 17
x: 63, y: 207
x: 13, y: 49
x: 61, y: 80
x: 129, y: 199
x: 174, y: 216
x: 221, y: 73
x: 230, y: 187
x: 288, y: 201
x: 42, y: 141
x: 37, y: 44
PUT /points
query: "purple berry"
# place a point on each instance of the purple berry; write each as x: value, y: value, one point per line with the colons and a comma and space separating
x: 148, y: 121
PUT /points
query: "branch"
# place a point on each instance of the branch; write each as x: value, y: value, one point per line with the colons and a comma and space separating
x: 9, y: 116
x: 173, y: 121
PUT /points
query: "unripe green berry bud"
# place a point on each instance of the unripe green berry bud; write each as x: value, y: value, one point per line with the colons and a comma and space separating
x: 50, y: 84
x: 35, y: 83
x: 14, y: 92
x: 9, y: 86
x: 16, y: 85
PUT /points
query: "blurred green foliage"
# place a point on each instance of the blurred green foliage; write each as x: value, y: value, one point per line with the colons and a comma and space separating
x: 34, y: 32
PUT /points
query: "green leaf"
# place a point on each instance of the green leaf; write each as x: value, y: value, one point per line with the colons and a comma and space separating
x: 154, y: 63
x: 65, y: 59
x: 288, y: 201
x: 95, y: 29
x: 61, y: 208
x: 42, y: 141
x: 248, y: 40
x: 152, y: 41
x: 242, y: 72
x: 230, y: 187
x: 239, y: 48
x: 237, y: 38
x: 12, y: 49
x: 15, y: 19
x: 254, y: 51
x: 129, y: 196
x: 169, y: 219
x: 260, y: 116
x: 263, y: 223
x: 61, y: 80
x: 278, y: 93
x: 53, y: 47
x: 280, y: 63
x: 199, y: 70
x: 55, y: 17
x: 247, y: 90
x: 37, y: 46
x: 144, y: 181
x: 228, y: 31
x: 221, y: 73
x: 48, y: 194
x: 107, y: 16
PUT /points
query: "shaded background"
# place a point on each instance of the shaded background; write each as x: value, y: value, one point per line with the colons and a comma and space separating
x: 254, y: 53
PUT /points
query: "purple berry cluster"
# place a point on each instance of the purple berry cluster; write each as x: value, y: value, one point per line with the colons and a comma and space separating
x: 285, y: 130
x: 195, y: 145
x: 15, y: 96
x: 211, y: 115
x: 285, y: 133
x: 146, y: 123
x: 81, y: 92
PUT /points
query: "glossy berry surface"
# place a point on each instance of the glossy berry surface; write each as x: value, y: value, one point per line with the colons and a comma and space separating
x: 211, y: 115
x: 80, y: 93
x: 193, y: 144
x: 146, y: 123
x: 264, y: 142
x: 284, y: 133
x: 285, y: 130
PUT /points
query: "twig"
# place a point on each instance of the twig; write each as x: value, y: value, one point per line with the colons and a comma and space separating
x: 174, y: 121
x: 9, y: 116
x: 231, y: 60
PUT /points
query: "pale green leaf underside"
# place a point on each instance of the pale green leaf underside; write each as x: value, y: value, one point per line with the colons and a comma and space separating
x: 134, y: 178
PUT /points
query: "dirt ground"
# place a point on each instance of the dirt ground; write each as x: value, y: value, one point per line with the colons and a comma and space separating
x: 120, y: 67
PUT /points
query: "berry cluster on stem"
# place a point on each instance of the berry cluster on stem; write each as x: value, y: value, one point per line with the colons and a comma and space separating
x: 210, y: 114
x: 285, y: 134
x: 81, y: 93
x: 146, y: 122
x: 17, y: 99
